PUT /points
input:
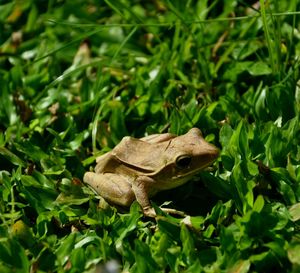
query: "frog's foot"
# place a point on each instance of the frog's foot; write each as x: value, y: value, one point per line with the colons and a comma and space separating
x: 149, y: 212
x: 174, y: 212
x: 187, y: 221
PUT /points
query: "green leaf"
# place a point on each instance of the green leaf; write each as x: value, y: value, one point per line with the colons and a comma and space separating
x: 225, y: 135
x: 295, y: 212
x: 125, y: 226
x: 39, y: 198
x: 142, y: 251
x: 13, y: 255
x: 252, y: 168
x: 188, y: 246
x: 65, y: 249
x: 259, y: 69
x: 171, y: 229
x: 294, y: 254
x: 32, y: 151
x: 117, y: 122
x: 13, y: 158
x: 241, y: 266
x: 78, y: 259
x: 259, y: 204
x: 216, y: 185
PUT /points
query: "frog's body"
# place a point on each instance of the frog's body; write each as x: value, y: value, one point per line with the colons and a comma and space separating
x: 139, y: 168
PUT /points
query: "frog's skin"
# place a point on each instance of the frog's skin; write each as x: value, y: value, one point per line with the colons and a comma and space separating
x: 136, y: 169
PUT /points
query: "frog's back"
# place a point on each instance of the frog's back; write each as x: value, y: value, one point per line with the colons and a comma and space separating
x: 140, y: 154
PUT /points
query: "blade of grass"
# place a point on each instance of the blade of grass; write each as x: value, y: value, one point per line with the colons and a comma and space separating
x: 99, y: 84
x: 293, y: 5
x: 77, y: 40
x: 119, y: 8
x: 267, y: 34
x: 233, y: 45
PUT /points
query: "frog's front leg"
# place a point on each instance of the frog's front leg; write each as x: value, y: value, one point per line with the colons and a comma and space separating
x: 114, y: 188
x: 141, y: 187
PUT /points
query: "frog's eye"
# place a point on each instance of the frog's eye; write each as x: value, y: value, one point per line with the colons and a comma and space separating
x: 183, y: 161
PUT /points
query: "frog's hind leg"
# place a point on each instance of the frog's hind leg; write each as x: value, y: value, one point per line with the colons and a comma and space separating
x: 112, y: 187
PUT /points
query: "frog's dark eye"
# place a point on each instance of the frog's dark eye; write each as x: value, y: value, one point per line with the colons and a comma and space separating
x: 183, y: 161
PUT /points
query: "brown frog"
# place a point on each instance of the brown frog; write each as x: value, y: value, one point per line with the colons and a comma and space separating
x: 136, y: 169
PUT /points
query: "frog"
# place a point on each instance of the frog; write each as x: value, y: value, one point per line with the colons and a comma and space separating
x: 139, y: 168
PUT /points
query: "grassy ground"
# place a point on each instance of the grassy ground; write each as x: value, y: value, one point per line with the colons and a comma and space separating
x: 76, y: 76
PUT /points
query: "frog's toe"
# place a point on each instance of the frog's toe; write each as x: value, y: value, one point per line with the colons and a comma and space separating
x: 149, y: 212
x: 88, y: 177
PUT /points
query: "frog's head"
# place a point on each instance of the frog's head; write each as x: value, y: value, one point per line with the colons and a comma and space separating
x: 191, y: 153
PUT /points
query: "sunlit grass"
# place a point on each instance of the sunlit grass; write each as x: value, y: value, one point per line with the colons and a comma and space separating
x: 76, y: 78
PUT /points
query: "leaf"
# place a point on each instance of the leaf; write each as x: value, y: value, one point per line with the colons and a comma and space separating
x: 225, y: 135
x: 4, y: 254
x: 252, y: 168
x: 236, y: 69
x: 227, y: 240
x: 260, y: 103
x: 259, y: 204
x: 64, y: 251
x: 125, y: 226
x: 13, y: 158
x: 216, y: 185
x: 287, y: 192
x: 13, y: 254
x: 117, y: 122
x: 294, y: 254
x: 40, y: 199
x: 78, y: 259
x: 295, y: 212
x: 171, y: 229
x: 32, y: 151
x: 259, y: 69
x: 188, y: 246
x: 208, y: 233
x: 241, y: 266
x: 144, y: 265
x: 21, y: 231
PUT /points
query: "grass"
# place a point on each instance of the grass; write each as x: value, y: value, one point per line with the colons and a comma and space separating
x: 77, y: 76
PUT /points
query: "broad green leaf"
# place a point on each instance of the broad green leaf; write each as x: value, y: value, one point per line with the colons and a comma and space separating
x: 252, y: 168
x: 171, y: 229
x: 217, y: 186
x: 294, y: 254
x: 22, y: 232
x: 125, y: 226
x: 227, y: 241
x: 295, y: 212
x: 259, y: 69
x: 32, y: 151
x: 209, y: 231
x: 13, y: 255
x: 65, y: 249
x: 117, y: 122
x: 188, y: 246
x: 5, y: 253
x: 39, y: 198
x: 241, y: 266
x: 259, y: 204
x: 141, y: 264
x: 78, y: 259
x: 13, y: 158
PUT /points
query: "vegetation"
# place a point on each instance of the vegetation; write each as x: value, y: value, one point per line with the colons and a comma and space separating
x: 76, y: 76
